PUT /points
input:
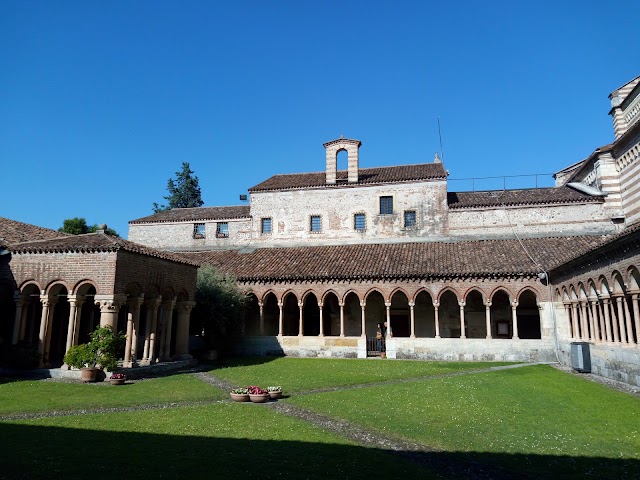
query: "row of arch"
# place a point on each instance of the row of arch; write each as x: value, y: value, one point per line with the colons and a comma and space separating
x: 499, y: 314
x: 55, y: 318
x: 604, y: 309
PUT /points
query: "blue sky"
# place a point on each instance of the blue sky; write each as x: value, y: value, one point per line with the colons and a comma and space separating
x: 101, y: 102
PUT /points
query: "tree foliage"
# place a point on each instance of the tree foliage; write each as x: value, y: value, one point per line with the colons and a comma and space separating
x: 184, y: 191
x: 220, y: 307
x: 78, y: 226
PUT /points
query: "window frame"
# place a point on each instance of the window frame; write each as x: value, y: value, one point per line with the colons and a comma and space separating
x: 220, y: 233
x: 311, y: 225
x: 262, y: 225
x: 389, y: 202
x: 199, y: 231
x: 415, y: 219
x: 364, y: 222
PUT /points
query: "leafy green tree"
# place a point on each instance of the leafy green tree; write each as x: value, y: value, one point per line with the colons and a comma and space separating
x: 220, y: 307
x: 184, y: 191
x: 78, y: 226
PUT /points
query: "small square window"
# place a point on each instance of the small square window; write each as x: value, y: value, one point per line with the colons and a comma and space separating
x: 265, y: 226
x: 359, y: 222
x: 386, y: 205
x: 198, y: 230
x: 316, y: 224
x: 222, y: 230
x: 409, y: 218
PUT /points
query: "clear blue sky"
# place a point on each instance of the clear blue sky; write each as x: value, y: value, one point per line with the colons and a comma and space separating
x: 101, y: 102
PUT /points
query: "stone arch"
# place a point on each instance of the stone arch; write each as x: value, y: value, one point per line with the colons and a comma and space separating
x: 267, y: 293
x: 501, y: 314
x: 310, y: 315
x: 270, y: 313
x: 449, y: 314
x: 504, y: 290
x: 308, y: 292
x: 326, y: 293
x: 375, y: 311
x: 290, y: 314
x: 32, y: 313
x: 424, y: 314
x: 351, y: 291
x: 56, y: 330
x: 252, y: 316
x: 633, y: 278
x: 399, y: 313
x: 528, y: 315
x: 618, y: 306
x: 331, y: 313
x: 373, y: 290
x: 83, y: 284
x: 475, y: 314
x: 55, y: 286
x: 352, y: 314
x: 603, y: 284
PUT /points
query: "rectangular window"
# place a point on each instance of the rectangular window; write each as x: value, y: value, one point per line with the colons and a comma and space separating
x: 386, y: 205
x: 198, y: 230
x: 409, y: 218
x: 222, y: 230
x: 265, y: 226
x: 316, y: 224
x: 359, y: 222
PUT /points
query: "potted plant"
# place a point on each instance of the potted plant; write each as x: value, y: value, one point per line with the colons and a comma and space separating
x: 117, y: 379
x: 240, y: 395
x: 101, y: 352
x: 275, y: 391
x: 257, y: 395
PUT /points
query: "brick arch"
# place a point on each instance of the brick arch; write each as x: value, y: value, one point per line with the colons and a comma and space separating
x: 558, y: 295
x: 604, y: 287
x: 346, y: 294
x: 55, y: 283
x: 617, y: 281
x: 81, y: 287
x: 327, y: 292
x: 306, y: 293
x: 592, y: 290
x: 572, y: 293
x: 475, y: 289
x: 419, y: 291
x: 29, y: 282
x: 264, y: 296
x: 168, y: 294
x: 133, y: 289
x: 183, y: 295
x: 400, y: 289
x: 288, y: 292
x: 582, y: 291
x: 501, y: 288
x: 633, y: 278
x: 448, y: 289
x: 371, y: 290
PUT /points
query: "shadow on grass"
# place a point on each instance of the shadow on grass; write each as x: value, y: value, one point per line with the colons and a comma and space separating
x: 38, y: 452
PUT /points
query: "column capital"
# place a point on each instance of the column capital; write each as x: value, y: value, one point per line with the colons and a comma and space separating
x: 488, y: 303
x: 341, y: 304
x: 320, y: 304
x: 514, y: 303
x: 47, y: 301
x: 280, y: 304
x: 462, y: 303
x: 260, y: 304
x: 300, y: 304
x: 135, y: 302
x: 363, y: 303
x: 436, y: 303
x: 171, y: 303
x: 387, y: 304
x: 153, y: 302
x: 412, y: 304
x: 185, y: 306
x: 109, y: 303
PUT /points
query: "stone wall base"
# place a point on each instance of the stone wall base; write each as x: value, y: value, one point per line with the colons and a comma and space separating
x: 615, y: 362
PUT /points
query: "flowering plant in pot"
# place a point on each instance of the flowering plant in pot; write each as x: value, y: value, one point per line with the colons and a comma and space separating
x: 101, y: 352
x: 275, y: 391
x: 257, y: 395
x: 117, y: 378
x: 240, y: 395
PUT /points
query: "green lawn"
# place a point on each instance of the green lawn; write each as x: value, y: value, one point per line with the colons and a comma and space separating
x: 38, y: 396
x: 535, y: 419
x: 228, y: 440
x: 299, y: 374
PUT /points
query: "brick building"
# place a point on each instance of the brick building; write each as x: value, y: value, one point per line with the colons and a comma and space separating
x: 491, y: 275
x: 56, y: 288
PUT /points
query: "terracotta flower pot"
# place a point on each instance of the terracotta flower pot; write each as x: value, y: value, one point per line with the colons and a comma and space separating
x: 259, y: 397
x: 240, y: 397
x: 88, y: 374
x: 275, y: 394
x: 117, y: 381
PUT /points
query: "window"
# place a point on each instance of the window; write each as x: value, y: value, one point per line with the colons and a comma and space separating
x: 222, y: 230
x: 316, y: 223
x: 409, y: 218
x: 265, y: 226
x: 359, y: 222
x: 198, y: 230
x: 386, y: 205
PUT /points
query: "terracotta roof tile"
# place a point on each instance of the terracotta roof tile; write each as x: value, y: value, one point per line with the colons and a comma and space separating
x: 400, y: 260
x: 12, y: 232
x: 93, y: 242
x: 196, y: 214
x: 533, y: 196
x: 400, y: 173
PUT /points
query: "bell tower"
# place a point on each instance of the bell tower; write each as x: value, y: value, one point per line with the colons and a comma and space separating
x: 332, y: 148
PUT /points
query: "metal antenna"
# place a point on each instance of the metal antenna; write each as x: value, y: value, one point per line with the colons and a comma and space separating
x: 440, y: 136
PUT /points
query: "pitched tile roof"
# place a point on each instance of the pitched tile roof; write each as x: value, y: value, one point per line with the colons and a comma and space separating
x: 400, y: 260
x: 197, y: 214
x: 366, y: 176
x: 533, y: 196
x: 12, y: 232
x: 90, y: 243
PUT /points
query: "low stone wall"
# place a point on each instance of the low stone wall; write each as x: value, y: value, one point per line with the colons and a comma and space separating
x: 443, y: 349
x: 617, y: 363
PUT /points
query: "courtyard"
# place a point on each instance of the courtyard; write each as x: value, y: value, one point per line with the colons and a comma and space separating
x: 344, y: 418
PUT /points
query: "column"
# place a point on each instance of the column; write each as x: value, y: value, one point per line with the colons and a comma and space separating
x: 18, y: 319
x: 514, y: 319
x: 152, y: 319
x: 620, y: 319
x: 280, y: 319
x: 607, y: 319
x: 73, y: 320
x: 133, y: 319
x: 436, y: 304
x: 413, y: 319
x: 463, y: 333
x: 572, y: 328
x: 169, y: 306
x: 44, y: 323
x: 300, y: 319
x: 76, y: 330
x: 576, y: 320
x: 25, y: 314
x: 341, y: 304
x: 47, y: 336
x: 321, y: 322
x: 109, y: 308
x: 487, y: 318
x: 585, y: 320
x: 636, y: 316
x: 182, y: 332
x: 388, y: 317
x: 261, y: 307
x: 627, y: 314
x: 595, y: 320
x: 362, y: 327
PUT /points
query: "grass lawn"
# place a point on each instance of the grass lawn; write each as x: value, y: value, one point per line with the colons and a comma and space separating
x: 533, y: 420
x: 227, y: 440
x: 38, y: 396
x: 298, y: 374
